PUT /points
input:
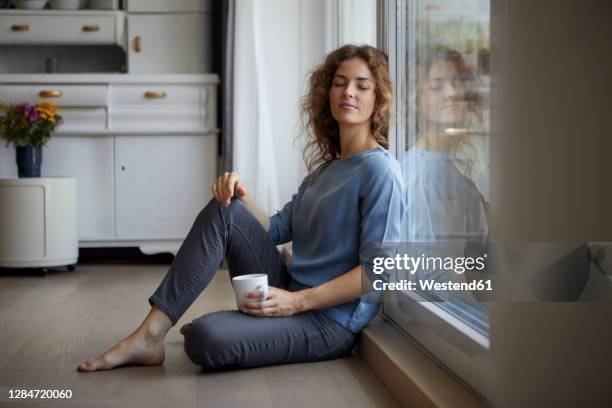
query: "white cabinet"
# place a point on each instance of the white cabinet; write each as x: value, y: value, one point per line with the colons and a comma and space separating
x: 162, y: 183
x: 144, y: 165
x: 159, y: 37
x: 169, y: 43
x: 39, y: 222
x: 142, y: 144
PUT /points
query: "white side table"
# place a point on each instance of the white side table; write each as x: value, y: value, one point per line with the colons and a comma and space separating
x: 38, y: 223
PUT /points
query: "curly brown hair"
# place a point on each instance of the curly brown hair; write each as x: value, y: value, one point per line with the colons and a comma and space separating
x: 319, y: 126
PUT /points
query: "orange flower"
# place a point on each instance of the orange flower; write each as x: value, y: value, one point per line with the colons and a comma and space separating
x: 47, y: 109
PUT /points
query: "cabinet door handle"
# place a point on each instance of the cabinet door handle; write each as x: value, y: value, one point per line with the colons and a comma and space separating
x: 91, y: 28
x: 155, y: 95
x: 20, y: 27
x: 137, y: 44
x: 50, y: 94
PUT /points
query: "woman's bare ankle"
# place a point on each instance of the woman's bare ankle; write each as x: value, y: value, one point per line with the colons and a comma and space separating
x: 145, y: 346
x: 156, y: 325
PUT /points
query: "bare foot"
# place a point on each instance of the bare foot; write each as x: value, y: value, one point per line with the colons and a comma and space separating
x: 137, y: 349
x: 143, y: 347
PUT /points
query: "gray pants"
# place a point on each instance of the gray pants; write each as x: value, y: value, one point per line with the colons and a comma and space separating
x: 232, y: 339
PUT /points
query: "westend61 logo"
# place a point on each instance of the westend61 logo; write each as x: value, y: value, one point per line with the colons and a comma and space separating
x: 422, y: 265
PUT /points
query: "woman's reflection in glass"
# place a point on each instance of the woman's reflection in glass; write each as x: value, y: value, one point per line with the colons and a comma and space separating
x: 445, y: 168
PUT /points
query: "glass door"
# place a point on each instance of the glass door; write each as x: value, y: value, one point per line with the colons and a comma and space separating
x: 441, y: 54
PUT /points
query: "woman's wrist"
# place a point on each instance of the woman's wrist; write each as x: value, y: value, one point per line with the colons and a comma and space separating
x: 301, y: 300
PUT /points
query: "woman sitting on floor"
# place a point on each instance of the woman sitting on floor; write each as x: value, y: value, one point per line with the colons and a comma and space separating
x: 351, y: 199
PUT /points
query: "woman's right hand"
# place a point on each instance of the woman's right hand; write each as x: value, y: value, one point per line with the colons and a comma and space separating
x: 226, y: 187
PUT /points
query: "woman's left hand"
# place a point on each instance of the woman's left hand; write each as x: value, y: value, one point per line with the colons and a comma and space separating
x: 279, y: 303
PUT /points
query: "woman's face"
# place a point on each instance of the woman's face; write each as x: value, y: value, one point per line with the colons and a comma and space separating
x: 444, y: 95
x: 352, y: 95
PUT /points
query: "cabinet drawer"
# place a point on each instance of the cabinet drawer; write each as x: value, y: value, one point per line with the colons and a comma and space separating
x: 39, y: 29
x: 60, y: 95
x: 150, y: 95
x: 156, y: 107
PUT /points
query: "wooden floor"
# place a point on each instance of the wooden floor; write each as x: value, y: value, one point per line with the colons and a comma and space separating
x: 49, y: 325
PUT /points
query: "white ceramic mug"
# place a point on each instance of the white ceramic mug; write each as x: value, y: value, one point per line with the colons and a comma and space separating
x: 249, y: 283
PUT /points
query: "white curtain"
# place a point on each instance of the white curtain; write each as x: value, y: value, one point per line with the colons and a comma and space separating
x: 253, y: 144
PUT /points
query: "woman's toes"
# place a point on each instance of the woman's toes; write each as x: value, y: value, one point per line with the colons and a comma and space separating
x: 92, y: 364
x: 86, y: 366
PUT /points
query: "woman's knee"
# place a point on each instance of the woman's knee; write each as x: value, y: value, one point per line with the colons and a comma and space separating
x: 236, y: 207
x: 212, y: 207
x: 206, y: 344
x: 215, y: 208
x: 214, y: 212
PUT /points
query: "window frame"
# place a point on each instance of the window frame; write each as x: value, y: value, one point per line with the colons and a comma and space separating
x: 453, y: 344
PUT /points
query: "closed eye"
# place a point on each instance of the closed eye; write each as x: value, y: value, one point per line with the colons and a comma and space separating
x: 363, y: 88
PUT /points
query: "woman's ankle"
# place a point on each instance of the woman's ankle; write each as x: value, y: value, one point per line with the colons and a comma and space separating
x: 156, y: 325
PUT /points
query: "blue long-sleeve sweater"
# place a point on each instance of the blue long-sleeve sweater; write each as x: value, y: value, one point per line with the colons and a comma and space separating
x: 340, y: 210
